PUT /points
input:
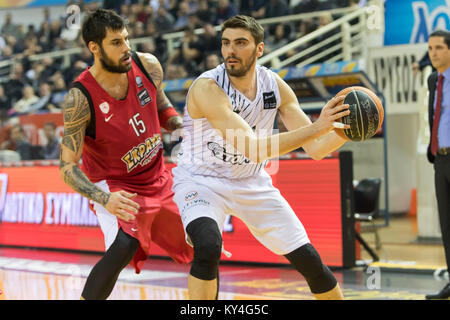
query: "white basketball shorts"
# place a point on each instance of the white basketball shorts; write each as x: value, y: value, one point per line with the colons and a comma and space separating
x: 254, y: 200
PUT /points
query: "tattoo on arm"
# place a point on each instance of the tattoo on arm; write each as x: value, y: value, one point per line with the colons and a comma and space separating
x: 76, y: 114
x: 154, y: 69
x: 74, y: 177
x: 76, y: 117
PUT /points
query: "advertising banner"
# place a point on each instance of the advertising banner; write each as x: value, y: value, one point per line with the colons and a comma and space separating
x: 38, y: 210
x: 411, y: 21
x: 390, y: 68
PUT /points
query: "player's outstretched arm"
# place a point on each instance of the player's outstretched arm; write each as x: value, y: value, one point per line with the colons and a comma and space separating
x: 293, y: 117
x: 207, y: 100
x: 168, y: 116
x: 76, y: 114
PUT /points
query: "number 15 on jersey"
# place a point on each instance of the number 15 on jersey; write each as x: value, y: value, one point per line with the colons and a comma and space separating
x: 137, y: 124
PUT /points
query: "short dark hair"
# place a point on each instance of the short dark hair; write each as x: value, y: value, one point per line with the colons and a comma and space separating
x: 247, y: 23
x: 442, y: 33
x: 98, y: 22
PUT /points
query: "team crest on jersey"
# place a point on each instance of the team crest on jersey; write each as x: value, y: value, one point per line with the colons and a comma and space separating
x: 139, y: 82
x: 144, y: 97
x: 143, y: 153
x: 104, y: 107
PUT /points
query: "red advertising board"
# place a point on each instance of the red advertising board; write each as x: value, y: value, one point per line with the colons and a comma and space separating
x: 38, y: 210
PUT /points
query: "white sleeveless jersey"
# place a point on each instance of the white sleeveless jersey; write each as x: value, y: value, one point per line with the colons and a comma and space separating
x: 203, y: 151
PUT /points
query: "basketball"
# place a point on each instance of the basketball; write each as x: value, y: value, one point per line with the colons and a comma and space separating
x: 366, y: 114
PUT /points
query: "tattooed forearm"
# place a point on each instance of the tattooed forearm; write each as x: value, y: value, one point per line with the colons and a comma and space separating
x: 74, y: 177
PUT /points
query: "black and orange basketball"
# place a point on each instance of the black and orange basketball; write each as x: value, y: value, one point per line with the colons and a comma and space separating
x: 366, y: 114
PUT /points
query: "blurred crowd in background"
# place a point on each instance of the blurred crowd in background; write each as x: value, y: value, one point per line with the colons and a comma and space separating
x: 30, y: 87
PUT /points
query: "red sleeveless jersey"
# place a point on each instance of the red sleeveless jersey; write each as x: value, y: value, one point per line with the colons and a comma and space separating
x: 123, y: 141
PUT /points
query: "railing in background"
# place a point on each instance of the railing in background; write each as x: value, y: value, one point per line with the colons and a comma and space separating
x: 348, y: 39
x: 172, y: 39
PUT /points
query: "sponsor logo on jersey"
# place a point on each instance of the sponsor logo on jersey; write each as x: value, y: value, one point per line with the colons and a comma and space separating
x: 191, y: 195
x: 144, y: 97
x: 270, y: 102
x: 143, y: 153
x: 220, y: 153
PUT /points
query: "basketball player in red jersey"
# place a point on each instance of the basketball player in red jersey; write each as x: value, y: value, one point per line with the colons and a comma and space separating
x: 112, y: 118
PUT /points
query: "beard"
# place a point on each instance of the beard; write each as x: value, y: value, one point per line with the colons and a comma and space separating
x: 243, y: 70
x: 112, y: 67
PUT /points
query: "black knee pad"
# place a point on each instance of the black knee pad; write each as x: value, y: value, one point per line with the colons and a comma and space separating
x: 307, y: 261
x: 207, y: 240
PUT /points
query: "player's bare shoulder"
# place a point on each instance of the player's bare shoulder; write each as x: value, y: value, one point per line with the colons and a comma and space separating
x: 152, y: 66
x: 206, y: 97
x: 76, y: 115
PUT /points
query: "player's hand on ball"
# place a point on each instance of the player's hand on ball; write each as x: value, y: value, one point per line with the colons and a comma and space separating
x: 121, y: 205
x: 331, y: 113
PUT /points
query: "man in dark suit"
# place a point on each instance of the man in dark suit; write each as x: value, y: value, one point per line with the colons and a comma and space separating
x: 439, y: 148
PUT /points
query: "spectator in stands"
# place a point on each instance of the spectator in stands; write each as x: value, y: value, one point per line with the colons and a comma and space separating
x: 156, y: 4
x: 2, y: 43
x: 205, y: 13
x: 9, y: 28
x: 182, y: 16
x: 225, y: 10
x: 163, y: 19
x: 50, y: 68
x: 279, y: 39
x: 211, y: 41
x: 45, y: 96
x: 51, y: 149
x: 276, y: 8
x: 153, y: 32
x: 44, y: 36
x: 31, y: 46
x: 305, y: 6
x: 59, y: 91
x: 194, y: 22
x: 22, y: 146
x: 85, y: 56
x: 323, y: 20
x: 115, y: 5
x: 31, y: 32
x: 34, y: 73
x: 17, y: 81
x: 144, y: 13
x: 148, y: 47
x: 189, y: 54
x: 5, y: 133
x: 5, y: 103
x: 254, y: 8
x: 47, y: 16
x: 139, y: 31
x: 23, y: 105
x: 55, y: 33
x: 17, y: 46
x: 175, y: 71
x: 7, y: 53
x: 212, y: 60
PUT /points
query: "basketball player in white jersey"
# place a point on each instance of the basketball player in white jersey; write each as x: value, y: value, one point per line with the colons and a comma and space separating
x: 222, y: 157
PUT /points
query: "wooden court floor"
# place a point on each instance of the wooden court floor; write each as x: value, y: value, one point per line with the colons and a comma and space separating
x: 406, y: 271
